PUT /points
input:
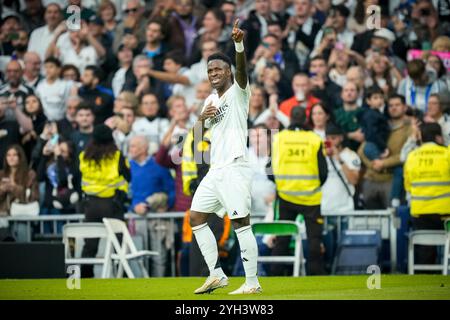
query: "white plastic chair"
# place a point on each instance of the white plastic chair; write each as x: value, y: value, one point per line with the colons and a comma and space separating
x: 127, y: 251
x: 88, y: 230
x: 446, y: 247
x: 283, y: 228
x: 425, y: 238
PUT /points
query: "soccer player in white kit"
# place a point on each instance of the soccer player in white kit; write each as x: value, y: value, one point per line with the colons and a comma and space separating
x: 226, y: 187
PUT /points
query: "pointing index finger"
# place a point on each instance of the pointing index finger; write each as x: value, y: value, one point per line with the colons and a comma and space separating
x: 236, y: 24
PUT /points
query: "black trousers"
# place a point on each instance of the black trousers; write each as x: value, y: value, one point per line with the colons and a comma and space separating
x: 95, y: 209
x: 314, y: 227
x: 427, y: 254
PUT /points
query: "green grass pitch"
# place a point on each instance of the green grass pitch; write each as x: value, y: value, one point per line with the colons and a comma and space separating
x: 275, y: 288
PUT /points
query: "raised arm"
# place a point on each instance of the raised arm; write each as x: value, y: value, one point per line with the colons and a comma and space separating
x: 241, y: 65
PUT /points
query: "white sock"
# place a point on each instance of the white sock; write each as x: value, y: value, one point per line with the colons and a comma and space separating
x: 249, y: 254
x: 208, y: 246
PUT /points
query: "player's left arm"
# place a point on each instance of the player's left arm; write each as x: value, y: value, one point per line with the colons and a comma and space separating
x: 241, y: 64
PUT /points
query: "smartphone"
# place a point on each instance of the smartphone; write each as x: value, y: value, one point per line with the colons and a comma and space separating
x: 54, y: 140
x: 327, y: 144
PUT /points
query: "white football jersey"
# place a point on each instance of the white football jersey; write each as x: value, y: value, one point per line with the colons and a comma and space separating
x: 229, y: 125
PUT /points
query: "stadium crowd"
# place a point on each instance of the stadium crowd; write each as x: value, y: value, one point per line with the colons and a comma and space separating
x: 367, y: 80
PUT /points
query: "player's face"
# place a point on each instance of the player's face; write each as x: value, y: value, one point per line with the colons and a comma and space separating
x: 219, y: 73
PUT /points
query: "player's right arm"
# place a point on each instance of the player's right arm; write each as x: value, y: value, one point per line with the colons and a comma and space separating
x: 199, y: 128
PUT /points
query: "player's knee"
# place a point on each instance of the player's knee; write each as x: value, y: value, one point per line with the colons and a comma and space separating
x: 196, y: 219
x: 241, y: 222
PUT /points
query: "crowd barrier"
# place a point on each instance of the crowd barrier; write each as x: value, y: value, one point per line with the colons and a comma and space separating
x: 387, y: 224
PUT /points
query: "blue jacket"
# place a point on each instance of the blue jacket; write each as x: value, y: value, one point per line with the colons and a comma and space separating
x: 149, y: 178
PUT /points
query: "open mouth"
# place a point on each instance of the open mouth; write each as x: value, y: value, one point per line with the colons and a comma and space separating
x: 215, y: 81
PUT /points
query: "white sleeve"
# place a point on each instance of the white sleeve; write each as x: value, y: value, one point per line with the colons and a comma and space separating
x: 351, y: 159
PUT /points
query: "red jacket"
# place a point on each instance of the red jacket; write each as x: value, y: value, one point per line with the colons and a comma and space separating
x: 287, y: 105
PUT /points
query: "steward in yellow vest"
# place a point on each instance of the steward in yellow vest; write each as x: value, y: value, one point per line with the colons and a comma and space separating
x: 104, y: 180
x: 427, y: 175
x: 299, y: 169
x: 194, y: 167
x: 427, y: 179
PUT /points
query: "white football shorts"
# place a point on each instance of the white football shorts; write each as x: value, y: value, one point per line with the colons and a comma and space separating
x: 225, y: 190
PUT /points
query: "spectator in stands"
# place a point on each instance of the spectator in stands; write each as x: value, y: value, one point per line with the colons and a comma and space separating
x: 121, y: 124
x: 9, y: 27
x: 435, y: 113
x: 344, y: 166
x: 381, y: 44
x: 255, y: 26
x: 418, y: 86
x: 32, y: 71
x: 302, y: 30
x: 35, y: 111
x: 54, y: 91
x: 319, y: 118
x: 228, y: 7
x: 20, y: 44
x: 57, y: 169
x: 440, y: 73
x: 202, y: 91
x: 303, y: 95
x: 149, y: 180
x: 383, y: 74
x: 68, y: 124
x: 14, y: 89
x: 274, y: 82
x: 84, y: 118
x: 322, y: 86
x: 33, y: 15
x: 101, y: 99
x: 41, y: 37
x: 149, y: 123
x: 105, y: 175
x: 70, y: 72
x: 257, y: 103
x: 337, y: 21
x: 140, y: 83
x: 182, y: 27
x: 356, y: 74
x: 347, y: 115
x: 377, y: 184
x: 107, y: 11
x: 77, y: 47
x: 270, y: 52
x: 272, y: 117
x: 184, y: 82
x: 155, y: 46
x: 125, y: 72
x: 169, y: 154
x: 133, y: 22
x: 17, y: 182
x: 213, y: 29
x: 340, y: 60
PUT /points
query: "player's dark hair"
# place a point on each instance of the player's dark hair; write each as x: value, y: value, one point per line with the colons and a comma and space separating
x: 429, y: 131
x: 85, y: 106
x: 54, y: 61
x: 220, y: 56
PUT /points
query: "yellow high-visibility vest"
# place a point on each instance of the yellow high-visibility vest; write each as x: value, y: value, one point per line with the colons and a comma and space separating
x: 102, y: 180
x: 427, y: 179
x: 295, y: 166
x: 188, y: 162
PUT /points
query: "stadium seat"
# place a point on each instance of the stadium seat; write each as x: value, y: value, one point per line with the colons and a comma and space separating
x: 447, y: 246
x: 283, y: 228
x: 121, y: 255
x: 80, y: 231
x: 425, y: 238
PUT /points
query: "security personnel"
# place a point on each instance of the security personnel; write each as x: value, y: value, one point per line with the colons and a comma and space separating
x: 105, y: 174
x: 194, y: 167
x: 427, y: 179
x: 300, y: 169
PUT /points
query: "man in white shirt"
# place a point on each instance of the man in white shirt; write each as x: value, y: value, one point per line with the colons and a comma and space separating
x: 343, y: 173
x: 53, y: 91
x: 41, y: 37
x: 228, y: 182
